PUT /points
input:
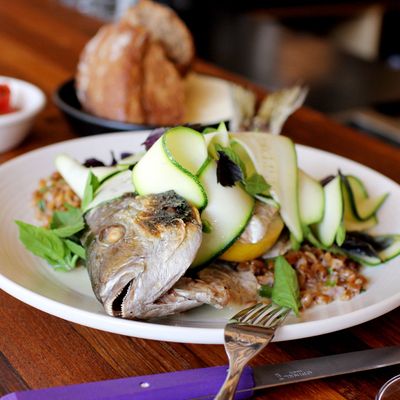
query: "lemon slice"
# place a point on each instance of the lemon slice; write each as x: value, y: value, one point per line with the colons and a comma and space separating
x: 244, y: 249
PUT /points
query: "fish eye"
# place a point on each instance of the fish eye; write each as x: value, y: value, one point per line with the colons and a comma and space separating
x: 112, y: 234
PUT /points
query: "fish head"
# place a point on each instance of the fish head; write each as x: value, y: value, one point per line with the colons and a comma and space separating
x: 138, y: 247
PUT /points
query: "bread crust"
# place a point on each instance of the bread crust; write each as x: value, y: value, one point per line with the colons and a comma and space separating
x: 163, y: 96
x: 110, y: 77
x: 164, y: 26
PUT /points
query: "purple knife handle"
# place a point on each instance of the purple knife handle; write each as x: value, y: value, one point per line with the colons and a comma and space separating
x: 179, y: 385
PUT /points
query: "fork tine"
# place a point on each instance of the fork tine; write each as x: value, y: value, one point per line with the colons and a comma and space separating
x: 266, y: 314
x: 273, y: 319
x: 245, y: 314
x: 254, y: 315
x: 264, y: 309
x: 261, y: 314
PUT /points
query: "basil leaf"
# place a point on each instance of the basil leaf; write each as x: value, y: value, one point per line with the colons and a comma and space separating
x: 67, y: 223
x: 256, y: 184
x: 228, y: 172
x: 76, y: 248
x: 93, y: 162
x: 68, y: 262
x: 65, y: 218
x: 61, y: 253
x: 231, y: 169
x: 92, y: 184
x: 233, y: 156
x: 285, y: 291
x: 41, y: 242
x: 265, y: 291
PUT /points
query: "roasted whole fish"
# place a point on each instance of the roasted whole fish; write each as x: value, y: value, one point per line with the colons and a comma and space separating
x: 137, y: 249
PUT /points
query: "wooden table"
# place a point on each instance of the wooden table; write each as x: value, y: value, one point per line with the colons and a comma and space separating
x: 40, y: 42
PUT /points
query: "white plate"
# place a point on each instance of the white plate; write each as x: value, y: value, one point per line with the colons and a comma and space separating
x: 69, y: 295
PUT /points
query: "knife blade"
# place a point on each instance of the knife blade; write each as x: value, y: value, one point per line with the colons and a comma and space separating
x: 204, y: 383
x: 322, y: 367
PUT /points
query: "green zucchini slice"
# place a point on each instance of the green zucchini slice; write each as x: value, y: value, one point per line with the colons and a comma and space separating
x: 227, y: 214
x: 362, y: 206
x: 172, y: 164
x: 332, y: 219
x: 311, y: 199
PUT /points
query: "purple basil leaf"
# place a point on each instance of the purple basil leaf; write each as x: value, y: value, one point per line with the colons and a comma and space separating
x: 326, y: 180
x: 227, y: 171
x: 93, y: 162
x: 125, y: 154
x: 153, y: 137
x: 113, y: 159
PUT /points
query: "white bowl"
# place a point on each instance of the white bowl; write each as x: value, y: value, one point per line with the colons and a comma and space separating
x: 29, y: 100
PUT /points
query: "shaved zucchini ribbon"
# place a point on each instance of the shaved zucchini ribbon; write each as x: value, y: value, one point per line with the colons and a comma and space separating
x: 348, y: 207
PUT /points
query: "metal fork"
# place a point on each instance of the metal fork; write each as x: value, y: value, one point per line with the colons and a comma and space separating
x: 246, y: 334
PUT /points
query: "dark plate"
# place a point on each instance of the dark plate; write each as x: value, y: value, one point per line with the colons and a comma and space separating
x: 85, y: 124
x: 82, y: 122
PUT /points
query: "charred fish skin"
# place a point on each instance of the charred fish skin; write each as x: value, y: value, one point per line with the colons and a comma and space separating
x: 137, y: 249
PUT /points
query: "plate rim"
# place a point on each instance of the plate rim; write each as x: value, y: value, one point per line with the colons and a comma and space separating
x: 197, y: 335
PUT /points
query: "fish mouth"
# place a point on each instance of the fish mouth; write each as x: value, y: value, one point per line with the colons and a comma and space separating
x: 117, y: 302
x: 113, y: 295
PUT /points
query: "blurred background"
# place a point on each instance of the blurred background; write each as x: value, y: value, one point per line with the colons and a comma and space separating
x: 347, y: 52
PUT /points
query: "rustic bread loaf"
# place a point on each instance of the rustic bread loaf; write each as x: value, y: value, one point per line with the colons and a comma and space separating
x: 130, y: 70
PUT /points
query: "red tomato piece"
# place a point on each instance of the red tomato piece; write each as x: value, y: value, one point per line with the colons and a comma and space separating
x: 5, y: 97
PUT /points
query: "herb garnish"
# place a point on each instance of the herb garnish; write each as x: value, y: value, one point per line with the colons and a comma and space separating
x: 231, y: 169
x: 67, y: 223
x: 228, y: 172
x: 265, y: 291
x: 92, y: 184
x: 58, y: 245
x: 256, y: 184
x: 154, y: 135
x: 285, y: 291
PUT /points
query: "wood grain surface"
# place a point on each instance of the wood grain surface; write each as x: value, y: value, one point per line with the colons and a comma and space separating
x: 40, y: 41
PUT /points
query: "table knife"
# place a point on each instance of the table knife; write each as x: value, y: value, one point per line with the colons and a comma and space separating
x: 204, y: 383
